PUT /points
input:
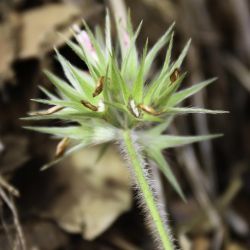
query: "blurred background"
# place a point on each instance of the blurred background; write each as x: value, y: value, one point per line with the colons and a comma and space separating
x: 84, y: 204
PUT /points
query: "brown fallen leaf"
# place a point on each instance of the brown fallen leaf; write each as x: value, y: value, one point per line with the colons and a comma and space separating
x: 94, y: 193
x: 8, y: 46
x: 40, y: 25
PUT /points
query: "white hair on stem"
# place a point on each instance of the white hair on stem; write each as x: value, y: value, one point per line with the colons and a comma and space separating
x: 153, y: 188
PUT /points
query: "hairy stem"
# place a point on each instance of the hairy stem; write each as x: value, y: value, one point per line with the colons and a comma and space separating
x: 137, y: 167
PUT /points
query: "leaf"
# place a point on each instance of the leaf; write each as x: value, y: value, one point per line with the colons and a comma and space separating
x: 99, y: 37
x: 73, y: 132
x: 117, y: 105
x: 162, y: 97
x: 183, y: 94
x: 157, y: 156
x: 48, y: 94
x: 65, y: 115
x: 169, y: 141
x: 75, y: 48
x: 156, y: 87
x: 165, y: 72
x: 156, y: 48
x: 98, y: 198
x: 130, y: 60
x: 101, y: 56
x: 103, y: 149
x: 151, y: 118
x: 167, y: 60
x: 68, y: 72
x: 160, y: 128
x: 181, y: 57
x: 68, y: 104
x: 85, y: 81
x: 64, y: 87
x: 176, y: 110
x: 117, y: 82
x: 138, y: 84
x: 81, y: 53
x: 67, y: 153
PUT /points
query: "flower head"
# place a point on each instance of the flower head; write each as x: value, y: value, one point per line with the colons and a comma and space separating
x: 116, y: 94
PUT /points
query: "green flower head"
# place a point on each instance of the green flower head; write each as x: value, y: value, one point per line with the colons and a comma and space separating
x: 117, y: 93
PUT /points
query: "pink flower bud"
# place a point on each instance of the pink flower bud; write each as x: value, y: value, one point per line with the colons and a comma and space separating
x: 126, y: 39
x: 83, y: 38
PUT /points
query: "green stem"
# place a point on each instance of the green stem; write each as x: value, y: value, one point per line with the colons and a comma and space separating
x: 136, y: 163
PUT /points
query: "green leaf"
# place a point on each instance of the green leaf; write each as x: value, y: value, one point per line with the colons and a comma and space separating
x: 181, y: 111
x: 68, y: 104
x: 64, y: 87
x: 73, y: 132
x: 163, y: 79
x: 162, y: 76
x: 130, y: 61
x: 157, y: 156
x: 183, y: 94
x: 151, y: 118
x: 117, y: 82
x: 181, y: 57
x: 167, y: 60
x: 117, y: 105
x: 68, y: 115
x: 81, y: 53
x: 68, y: 72
x: 154, y: 87
x: 138, y: 84
x: 103, y: 149
x: 156, y: 48
x: 167, y: 91
x: 99, y: 38
x: 66, y: 154
x: 169, y: 141
x: 85, y: 81
x: 100, y: 54
x: 75, y: 48
x: 48, y: 94
x: 160, y: 128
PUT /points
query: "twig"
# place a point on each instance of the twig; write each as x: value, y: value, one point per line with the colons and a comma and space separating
x: 8, y: 187
x: 192, y: 9
x: 1, y: 147
x: 196, y: 180
x: 201, y: 123
x: 241, y: 10
x: 118, y: 8
x: 195, y: 176
x: 238, y: 69
x: 121, y: 243
x: 13, y: 210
